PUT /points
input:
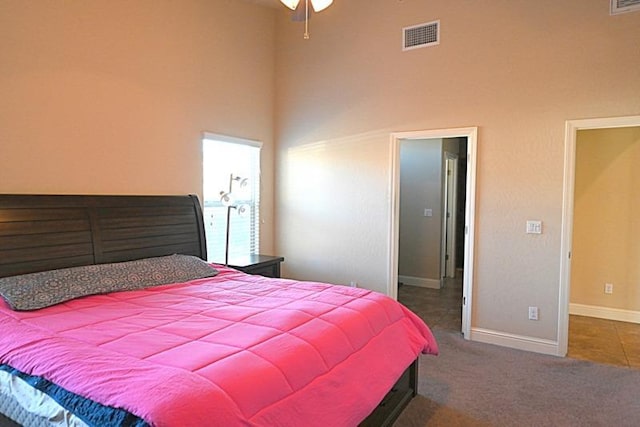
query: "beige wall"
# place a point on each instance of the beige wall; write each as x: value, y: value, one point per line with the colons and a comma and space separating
x: 420, y: 188
x: 606, y: 248
x: 111, y: 96
x: 328, y: 210
x: 516, y: 69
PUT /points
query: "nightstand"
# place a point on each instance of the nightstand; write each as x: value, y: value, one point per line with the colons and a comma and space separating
x: 262, y: 265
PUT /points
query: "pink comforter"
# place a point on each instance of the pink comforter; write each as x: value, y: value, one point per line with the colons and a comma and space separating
x: 233, y: 350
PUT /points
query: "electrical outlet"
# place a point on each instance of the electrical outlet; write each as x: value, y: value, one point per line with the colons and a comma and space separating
x: 608, y: 288
x: 353, y: 284
x: 533, y: 313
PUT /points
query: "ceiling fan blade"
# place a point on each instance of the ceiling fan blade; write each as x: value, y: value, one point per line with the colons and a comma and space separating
x: 319, y: 5
x: 291, y: 4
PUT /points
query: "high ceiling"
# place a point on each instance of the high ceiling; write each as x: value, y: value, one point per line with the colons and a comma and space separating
x: 269, y: 3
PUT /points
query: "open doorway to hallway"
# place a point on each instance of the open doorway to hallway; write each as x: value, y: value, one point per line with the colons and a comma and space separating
x: 467, y: 233
x: 433, y: 181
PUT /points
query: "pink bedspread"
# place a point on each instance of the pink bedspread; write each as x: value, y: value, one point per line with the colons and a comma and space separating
x: 233, y: 350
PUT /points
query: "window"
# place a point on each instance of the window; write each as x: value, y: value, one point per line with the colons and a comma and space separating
x: 224, y: 157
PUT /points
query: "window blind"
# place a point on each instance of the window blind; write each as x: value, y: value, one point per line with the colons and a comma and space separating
x: 223, y: 156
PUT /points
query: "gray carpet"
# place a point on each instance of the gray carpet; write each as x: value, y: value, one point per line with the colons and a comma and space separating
x: 475, y: 384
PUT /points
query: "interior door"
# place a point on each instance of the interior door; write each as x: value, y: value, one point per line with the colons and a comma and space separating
x: 450, y: 209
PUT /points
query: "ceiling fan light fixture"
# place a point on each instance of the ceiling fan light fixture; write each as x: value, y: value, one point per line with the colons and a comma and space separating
x: 317, y: 5
x: 291, y: 4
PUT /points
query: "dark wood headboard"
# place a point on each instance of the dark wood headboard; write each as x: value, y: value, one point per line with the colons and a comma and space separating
x: 45, y: 232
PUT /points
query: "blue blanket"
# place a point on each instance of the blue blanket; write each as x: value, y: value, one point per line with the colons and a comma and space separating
x: 92, y: 413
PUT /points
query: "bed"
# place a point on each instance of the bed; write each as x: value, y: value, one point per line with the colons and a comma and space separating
x: 215, y: 347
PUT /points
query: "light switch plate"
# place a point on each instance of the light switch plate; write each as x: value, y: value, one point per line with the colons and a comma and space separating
x: 534, y: 227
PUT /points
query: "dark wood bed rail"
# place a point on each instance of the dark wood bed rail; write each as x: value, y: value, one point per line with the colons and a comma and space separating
x: 44, y: 232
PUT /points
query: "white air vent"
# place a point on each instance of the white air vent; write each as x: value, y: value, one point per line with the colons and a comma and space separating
x: 622, y: 6
x: 421, y: 35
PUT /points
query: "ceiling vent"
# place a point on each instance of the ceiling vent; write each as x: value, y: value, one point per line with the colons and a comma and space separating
x: 421, y: 35
x: 622, y: 6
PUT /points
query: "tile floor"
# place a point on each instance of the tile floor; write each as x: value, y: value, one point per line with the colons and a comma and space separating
x: 596, y: 340
x: 439, y: 308
x: 604, y: 341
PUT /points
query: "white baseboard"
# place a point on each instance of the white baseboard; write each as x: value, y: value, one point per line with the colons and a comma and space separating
x: 605, y: 313
x: 420, y: 282
x: 520, y: 342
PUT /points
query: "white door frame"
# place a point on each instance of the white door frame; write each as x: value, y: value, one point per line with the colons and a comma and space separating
x: 571, y: 132
x: 448, y: 266
x: 471, y: 134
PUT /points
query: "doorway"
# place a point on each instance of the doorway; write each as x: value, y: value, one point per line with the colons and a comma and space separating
x: 467, y: 226
x: 568, y: 219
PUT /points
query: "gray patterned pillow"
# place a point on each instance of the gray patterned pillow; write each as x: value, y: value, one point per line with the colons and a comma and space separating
x: 38, y: 290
